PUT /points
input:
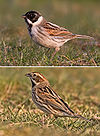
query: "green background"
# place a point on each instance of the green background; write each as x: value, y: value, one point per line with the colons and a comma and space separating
x: 79, y: 87
x: 78, y: 16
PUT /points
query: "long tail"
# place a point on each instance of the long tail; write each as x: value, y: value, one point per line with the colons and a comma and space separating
x: 79, y: 116
x: 84, y: 37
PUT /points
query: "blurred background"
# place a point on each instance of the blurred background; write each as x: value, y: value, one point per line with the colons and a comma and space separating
x: 79, y: 87
x: 78, y: 16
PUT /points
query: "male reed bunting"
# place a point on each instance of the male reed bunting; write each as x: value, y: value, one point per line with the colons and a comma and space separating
x: 46, y: 33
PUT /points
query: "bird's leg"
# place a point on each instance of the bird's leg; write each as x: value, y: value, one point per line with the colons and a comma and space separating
x: 48, y: 52
x: 46, y: 119
x: 43, y: 120
x: 56, y: 50
x: 54, y: 118
x: 50, y: 119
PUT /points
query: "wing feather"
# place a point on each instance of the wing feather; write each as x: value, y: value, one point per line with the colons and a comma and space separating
x: 52, y: 101
x: 55, y: 30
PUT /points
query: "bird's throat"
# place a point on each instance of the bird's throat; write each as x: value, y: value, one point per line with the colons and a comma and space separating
x: 33, y: 83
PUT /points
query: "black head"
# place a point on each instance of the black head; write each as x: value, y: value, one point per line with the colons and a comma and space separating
x: 31, y: 16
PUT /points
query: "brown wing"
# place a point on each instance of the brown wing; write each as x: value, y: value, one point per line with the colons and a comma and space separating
x: 51, y: 101
x: 55, y: 30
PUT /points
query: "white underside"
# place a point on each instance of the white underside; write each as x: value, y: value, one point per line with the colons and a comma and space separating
x: 67, y: 40
x: 47, y: 41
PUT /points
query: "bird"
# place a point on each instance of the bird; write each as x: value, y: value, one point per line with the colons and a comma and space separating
x: 47, y: 100
x: 47, y: 34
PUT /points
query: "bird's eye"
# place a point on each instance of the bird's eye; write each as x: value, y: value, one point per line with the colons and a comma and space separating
x: 31, y: 15
x: 34, y: 75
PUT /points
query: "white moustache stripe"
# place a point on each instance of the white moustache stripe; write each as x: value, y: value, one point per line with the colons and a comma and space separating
x: 34, y: 81
x: 29, y: 21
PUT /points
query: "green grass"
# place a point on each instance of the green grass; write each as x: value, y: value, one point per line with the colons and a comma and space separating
x: 80, y: 88
x: 81, y: 17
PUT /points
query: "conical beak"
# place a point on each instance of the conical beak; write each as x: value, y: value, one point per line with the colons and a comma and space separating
x: 23, y: 16
x: 28, y: 75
